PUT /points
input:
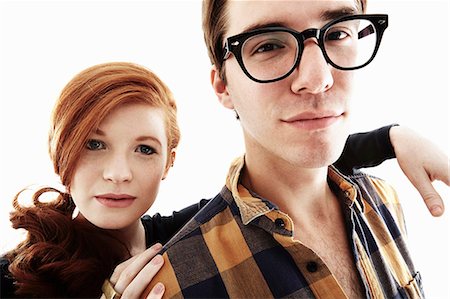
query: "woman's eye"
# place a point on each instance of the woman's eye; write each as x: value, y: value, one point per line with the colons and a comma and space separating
x: 95, y: 145
x: 145, y: 149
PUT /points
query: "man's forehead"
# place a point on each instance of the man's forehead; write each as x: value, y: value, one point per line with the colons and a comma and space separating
x: 247, y: 15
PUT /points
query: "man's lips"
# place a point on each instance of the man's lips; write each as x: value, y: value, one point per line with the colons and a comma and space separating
x: 306, y: 116
x: 314, y: 121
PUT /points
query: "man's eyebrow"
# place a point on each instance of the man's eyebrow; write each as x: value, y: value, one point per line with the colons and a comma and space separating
x: 263, y: 25
x: 329, y: 15
x: 325, y: 16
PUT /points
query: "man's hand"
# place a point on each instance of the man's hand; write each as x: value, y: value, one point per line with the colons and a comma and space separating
x: 131, y: 277
x: 422, y: 162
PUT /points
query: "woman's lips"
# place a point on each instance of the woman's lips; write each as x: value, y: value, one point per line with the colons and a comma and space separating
x: 115, y: 200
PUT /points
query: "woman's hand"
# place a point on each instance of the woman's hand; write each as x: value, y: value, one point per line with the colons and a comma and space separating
x: 422, y: 162
x: 131, y: 277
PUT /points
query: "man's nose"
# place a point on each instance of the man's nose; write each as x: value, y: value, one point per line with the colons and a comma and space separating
x: 117, y: 169
x: 313, y: 74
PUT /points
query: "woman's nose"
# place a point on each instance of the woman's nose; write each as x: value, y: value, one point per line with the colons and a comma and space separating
x: 117, y: 169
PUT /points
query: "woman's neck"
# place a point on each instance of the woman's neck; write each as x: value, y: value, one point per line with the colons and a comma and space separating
x: 133, y: 237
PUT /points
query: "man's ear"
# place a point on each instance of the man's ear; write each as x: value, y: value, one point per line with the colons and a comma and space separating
x: 220, y: 88
x: 171, y: 160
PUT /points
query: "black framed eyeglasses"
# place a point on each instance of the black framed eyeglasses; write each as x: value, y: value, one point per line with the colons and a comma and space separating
x: 272, y: 53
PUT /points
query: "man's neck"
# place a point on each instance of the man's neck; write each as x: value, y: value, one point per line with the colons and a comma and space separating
x: 319, y: 224
x: 299, y: 192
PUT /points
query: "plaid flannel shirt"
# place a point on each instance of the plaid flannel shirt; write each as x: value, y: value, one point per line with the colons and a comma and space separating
x: 242, y: 246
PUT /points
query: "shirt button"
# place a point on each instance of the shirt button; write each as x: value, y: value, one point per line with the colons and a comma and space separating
x: 312, y: 267
x: 279, y: 223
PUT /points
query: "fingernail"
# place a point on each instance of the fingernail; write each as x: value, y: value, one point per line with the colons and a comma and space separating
x: 159, y: 288
x: 157, y: 246
x: 157, y: 260
x: 436, y: 210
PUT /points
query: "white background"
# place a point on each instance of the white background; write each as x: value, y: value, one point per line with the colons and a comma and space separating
x: 43, y: 44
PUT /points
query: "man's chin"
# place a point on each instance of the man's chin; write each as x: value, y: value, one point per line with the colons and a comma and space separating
x: 319, y: 155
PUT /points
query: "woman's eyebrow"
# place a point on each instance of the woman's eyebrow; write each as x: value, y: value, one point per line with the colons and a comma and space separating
x: 148, y: 137
x: 100, y: 132
x: 138, y: 139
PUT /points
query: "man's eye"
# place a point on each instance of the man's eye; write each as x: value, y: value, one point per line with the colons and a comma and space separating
x: 145, y: 149
x: 95, y: 145
x: 336, y: 35
x: 269, y: 47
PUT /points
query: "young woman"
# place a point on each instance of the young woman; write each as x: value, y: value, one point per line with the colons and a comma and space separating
x: 112, y: 140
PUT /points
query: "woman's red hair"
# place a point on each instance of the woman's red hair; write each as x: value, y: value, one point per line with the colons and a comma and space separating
x: 61, y: 256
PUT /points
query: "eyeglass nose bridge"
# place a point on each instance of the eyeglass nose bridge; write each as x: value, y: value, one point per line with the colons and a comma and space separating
x: 301, y: 38
x: 308, y: 33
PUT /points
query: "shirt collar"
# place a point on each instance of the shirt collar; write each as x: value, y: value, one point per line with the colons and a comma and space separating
x: 251, y: 206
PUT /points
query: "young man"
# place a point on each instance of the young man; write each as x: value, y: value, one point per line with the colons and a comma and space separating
x: 290, y: 84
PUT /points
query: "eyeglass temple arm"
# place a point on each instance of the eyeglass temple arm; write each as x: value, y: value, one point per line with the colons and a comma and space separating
x: 366, y: 31
x: 226, y: 51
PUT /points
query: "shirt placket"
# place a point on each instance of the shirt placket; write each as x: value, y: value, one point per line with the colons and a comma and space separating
x: 321, y: 281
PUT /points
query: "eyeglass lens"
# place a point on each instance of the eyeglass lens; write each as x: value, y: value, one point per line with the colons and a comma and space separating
x: 271, y: 55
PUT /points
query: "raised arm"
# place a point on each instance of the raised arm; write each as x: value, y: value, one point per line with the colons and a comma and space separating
x: 366, y: 150
x: 420, y: 160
